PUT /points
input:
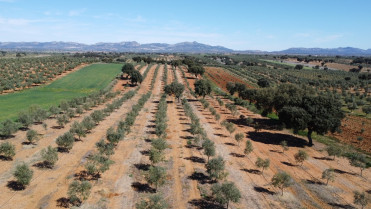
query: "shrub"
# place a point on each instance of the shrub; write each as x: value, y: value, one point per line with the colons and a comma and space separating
x: 61, y: 120
x: 78, y: 191
x: 32, y: 136
x: 98, y: 164
x: 226, y: 192
x: 359, y: 160
x: 300, y: 157
x: 23, y: 174
x: 49, y: 156
x: 281, y: 180
x: 156, y: 176
x: 155, y: 201
x: 7, y: 150
x: 88, y: 123
x: 25, y: 119
x: 65, y: 141
x: 113, y: 136
x: 97, y: 116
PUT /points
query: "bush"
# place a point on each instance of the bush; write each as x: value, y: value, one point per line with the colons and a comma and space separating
x: 49, y: 156
x: 61, y: 120
x: 226, y: 192
x: 98, y: 164
x: 284, y: 146
x: 88, y: 123
x: 32, y: 136
x: 334, y: 150
x: 361, y: 198
x: 78, y: 129
x: 23, y: 174
x: 97, y: 116
x: 113, y: 136
x: 7, y: 150
x: 155, y: 156
x: 65, y: 141
x: 77, y: 192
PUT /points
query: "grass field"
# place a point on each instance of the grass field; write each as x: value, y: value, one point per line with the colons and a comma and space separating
x: 80, y: 83
x: 287, y: 64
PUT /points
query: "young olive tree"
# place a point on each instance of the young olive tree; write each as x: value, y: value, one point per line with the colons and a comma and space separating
x: 7, y: 150
x: 156, y: 176
x: 225, y: 193
x: 261, y: 163
x: 301, y: 156
x: 281, y: 180
x: 78, y: 191
x: 215, y: 168
x: 23, y: 174
x: 328, y: 175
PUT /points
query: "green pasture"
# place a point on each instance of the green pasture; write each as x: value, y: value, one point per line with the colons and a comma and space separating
x: 80, y: 83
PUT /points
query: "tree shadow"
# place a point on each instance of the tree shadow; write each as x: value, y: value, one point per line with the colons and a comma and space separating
x: 253, y: 171
x: 288, y: 164
x: 337, y: 205
x: 84, y: 176
x: 324, y: 158
x: 145, y: 152
x: 310, y: 181
x: 43, y: 165
x: 205, y: 204
x: 4, y: 137
x: 230, y: 144
x: 142, y: 166
x: 263, y: 190
x: 57, y: 127
x: 4, y: 158
x: 344, y: 172
x: 63, y: 150
x: 142, y: 188
x: 276, y: 139
x: 237, y: 155
x: 26, y: 143
x: 63, y: 202
x: 195, y: 159
x: 15, y: 186
x: 186, y: 137
x: 200, y: 177
x: 269, y: 124
x: 277, y: 151
x: 221, y: 135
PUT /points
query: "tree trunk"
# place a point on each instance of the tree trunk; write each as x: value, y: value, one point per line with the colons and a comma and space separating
x: 227, y: 204
x: 309, y: 135
x: 282, y: 191
x: 327, y: 182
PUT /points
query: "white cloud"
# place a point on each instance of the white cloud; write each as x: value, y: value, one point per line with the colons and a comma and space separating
x: 77, y: 12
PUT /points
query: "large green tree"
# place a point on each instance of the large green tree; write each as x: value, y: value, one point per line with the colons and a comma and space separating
x: 175, y: 89
x: 127, y: 69
x: 202, y: 87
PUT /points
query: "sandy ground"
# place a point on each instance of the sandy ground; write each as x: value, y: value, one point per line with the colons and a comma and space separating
x: 124, y: 184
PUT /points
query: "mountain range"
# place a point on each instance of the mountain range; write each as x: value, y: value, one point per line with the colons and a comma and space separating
x: 183, y: 47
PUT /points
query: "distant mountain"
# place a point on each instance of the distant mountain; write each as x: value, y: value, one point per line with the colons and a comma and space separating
x: 349, y: 51
x: 184, y: 47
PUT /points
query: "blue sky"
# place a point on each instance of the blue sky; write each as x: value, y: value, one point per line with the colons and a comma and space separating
x: 262, y: 25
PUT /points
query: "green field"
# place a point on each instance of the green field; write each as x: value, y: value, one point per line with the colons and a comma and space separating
x: 80, y: 83
x: 287, y: 64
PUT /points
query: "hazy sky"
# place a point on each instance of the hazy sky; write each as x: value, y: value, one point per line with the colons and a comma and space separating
x: 263, y: 25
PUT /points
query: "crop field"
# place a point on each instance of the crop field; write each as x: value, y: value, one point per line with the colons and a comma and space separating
x: 161, y: 132
x: 81, y: 83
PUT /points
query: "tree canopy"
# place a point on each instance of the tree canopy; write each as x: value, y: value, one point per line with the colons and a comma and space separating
x: 202, y: 87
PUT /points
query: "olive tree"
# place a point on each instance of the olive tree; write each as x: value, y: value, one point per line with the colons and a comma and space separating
x: 301, y: 156
x: 215, y: 168
x: 225, y: 193
x: 284, y: 146
x: 23, y: 174
x: 261, y: 163
x: 361, y: 198
x: 239, y: 137
x: 281, y: 180
x: 360, y: 161
x: 175, y: 89
x: 50, y: 156
x: 328, y: 175
x: 78, y: 191
x: 65, y: 141
x: 155, y: 201
x: 32, y: 136
x: 209, y: 148
x: 202, y: 87
x: 7, y: 150
x: 156, y: 176
x: 248, y: 148
x: 136, y: 77
x: 334, y: 150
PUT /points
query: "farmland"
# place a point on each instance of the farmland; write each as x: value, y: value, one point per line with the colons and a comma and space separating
x: 175, y: 137
x: 81, y: 83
